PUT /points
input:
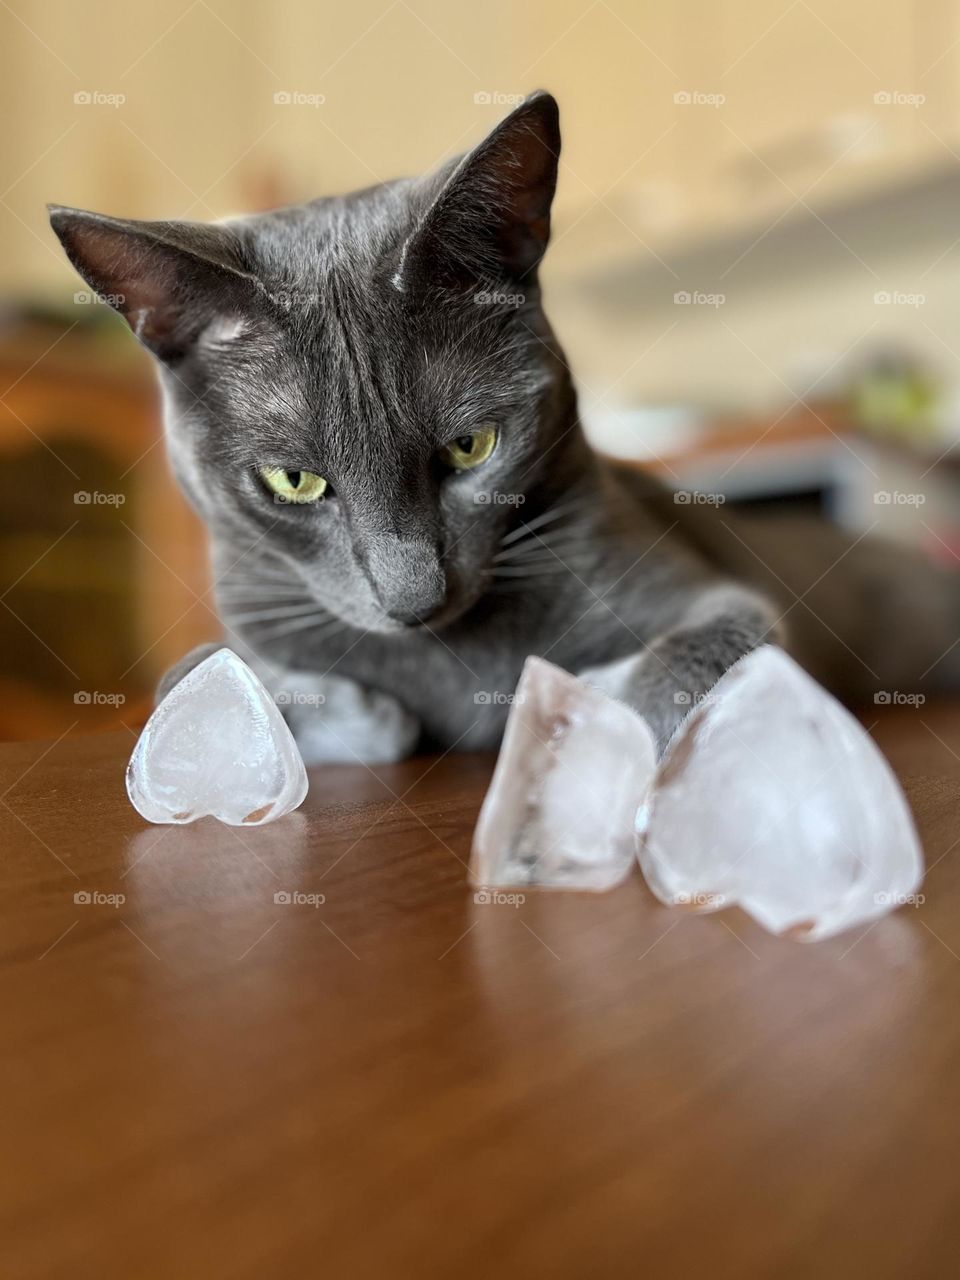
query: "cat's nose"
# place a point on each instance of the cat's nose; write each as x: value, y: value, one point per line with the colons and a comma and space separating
x: 407, y: 577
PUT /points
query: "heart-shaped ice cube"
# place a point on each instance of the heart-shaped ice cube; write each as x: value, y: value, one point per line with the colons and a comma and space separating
x: 772, y: 796
x: 573, y: 766
x: 216, y: 745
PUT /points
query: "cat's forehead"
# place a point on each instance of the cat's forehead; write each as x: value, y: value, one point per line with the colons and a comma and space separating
x: 344, y: 344
x: 346, y: 236
x: 339, y: 320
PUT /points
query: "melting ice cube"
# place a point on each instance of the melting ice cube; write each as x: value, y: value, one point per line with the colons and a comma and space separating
x: 573, y: 767
x: 772, y: 796
x: 216, y: 745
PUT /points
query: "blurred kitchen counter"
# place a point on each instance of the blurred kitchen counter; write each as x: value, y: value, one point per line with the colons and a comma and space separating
x: 895, y: 485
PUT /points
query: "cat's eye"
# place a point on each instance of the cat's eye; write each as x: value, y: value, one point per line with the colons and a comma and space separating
x: 466, y: 452
x: 294, y: 486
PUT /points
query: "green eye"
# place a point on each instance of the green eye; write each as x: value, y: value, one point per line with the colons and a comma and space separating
x: 466, y: 452
x: 293, y: 486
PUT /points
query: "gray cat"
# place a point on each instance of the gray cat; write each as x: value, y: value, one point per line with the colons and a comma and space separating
x: 366, y: 404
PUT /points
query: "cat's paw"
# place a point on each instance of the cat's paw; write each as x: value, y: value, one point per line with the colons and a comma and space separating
x: 336, y: 720
x: 644, y: 683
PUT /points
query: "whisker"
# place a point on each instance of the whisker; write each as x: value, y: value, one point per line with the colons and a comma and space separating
x: 301, y: 624
x: 545, y: 517
x: 288, y: 611
x: 254, y: 592
x: 545, y: 550
x: 547, y: 571
x: 265, y: 602
x: 254, y: 588
x: 569, y: 529
x: 514, y: 587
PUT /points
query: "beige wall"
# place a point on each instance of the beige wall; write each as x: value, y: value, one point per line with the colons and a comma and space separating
x: 199, y: 134
x: 656, y: 195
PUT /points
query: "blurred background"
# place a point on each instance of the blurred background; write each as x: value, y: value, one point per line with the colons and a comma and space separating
x: 755, y: 268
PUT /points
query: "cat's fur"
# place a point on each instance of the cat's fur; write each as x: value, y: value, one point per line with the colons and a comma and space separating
x: 353, y: 337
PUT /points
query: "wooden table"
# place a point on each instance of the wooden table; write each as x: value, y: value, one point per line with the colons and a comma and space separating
x: 205, y: 1082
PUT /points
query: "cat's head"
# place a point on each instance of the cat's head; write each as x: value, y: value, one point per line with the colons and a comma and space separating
x: 364, y: 385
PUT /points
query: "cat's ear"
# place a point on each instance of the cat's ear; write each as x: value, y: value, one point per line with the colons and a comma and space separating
x: 169, y: 280
x: 490, y: 218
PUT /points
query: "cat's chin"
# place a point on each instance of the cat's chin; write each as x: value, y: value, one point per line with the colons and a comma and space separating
x: 384, y: 625
x: 436, y: 622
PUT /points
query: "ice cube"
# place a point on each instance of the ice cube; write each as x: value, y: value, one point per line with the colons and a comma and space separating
x: 216, y: 745
x: 772, y: 796
x: 572, y: 769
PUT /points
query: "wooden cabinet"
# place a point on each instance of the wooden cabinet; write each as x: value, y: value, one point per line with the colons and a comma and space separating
x: 102, y: 566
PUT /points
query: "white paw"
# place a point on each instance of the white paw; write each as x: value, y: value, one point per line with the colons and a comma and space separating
x: 335, y: 720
